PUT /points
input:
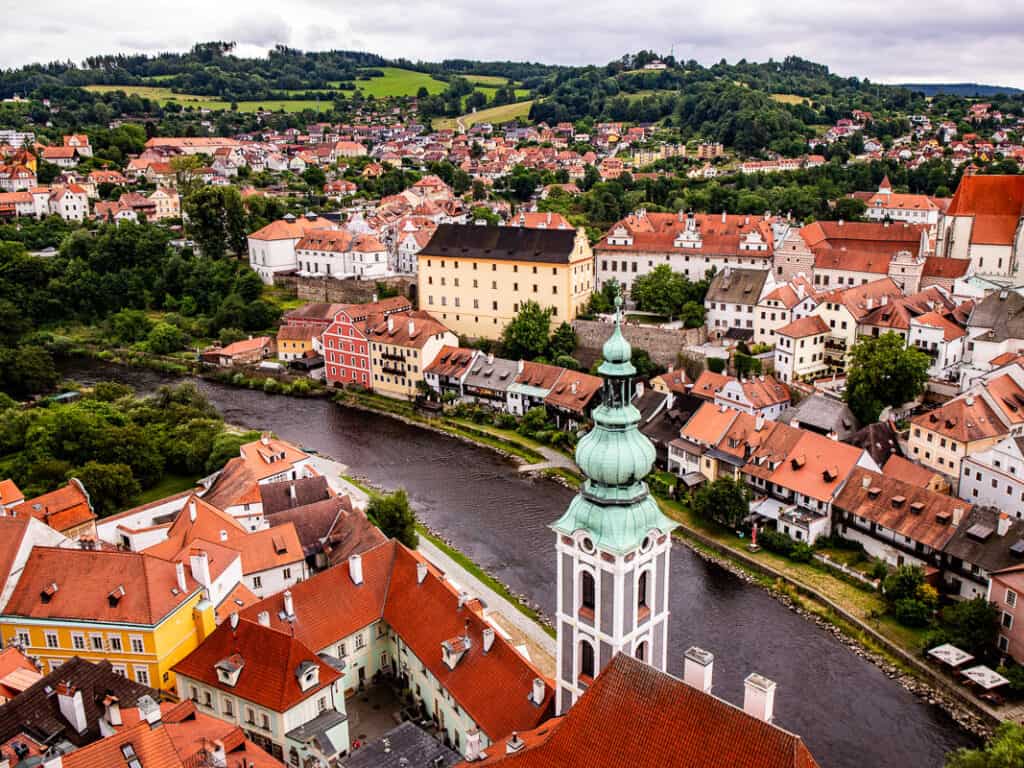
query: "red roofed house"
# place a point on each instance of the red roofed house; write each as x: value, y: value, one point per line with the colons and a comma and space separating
x: 983, y: 224
x: 345, y: 342
x: 636, y: 715
x: 245, y: 352
x: 272, y: 248
x: 800, y: 350
x: 402, y: 616
x: 17, y: 673
x: 689, y: 243
x: 402, y: 346
x: 943, y: 341
x: 761, y: 396
x: 270, y: 684
x: 67, y: 510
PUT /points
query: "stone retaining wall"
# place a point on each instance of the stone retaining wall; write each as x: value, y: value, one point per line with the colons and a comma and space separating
x: 343, y: 291
x: 662, y: 345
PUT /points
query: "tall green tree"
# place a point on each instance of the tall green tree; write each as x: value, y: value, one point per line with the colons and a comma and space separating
x: 393, y: 515
x: 111, y: 486
x: 526, y: 337
x: 883, y: 371
x: 217, y: 221
x: 725, y: 500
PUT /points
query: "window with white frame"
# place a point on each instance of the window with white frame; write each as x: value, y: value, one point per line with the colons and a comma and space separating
x: 24, y: 638
x: 97, y: 642
x: 229, y: 707
x: 51, y: 640
x: 1007, y: 620
x: 115, y: 642
x: 136, y: 643
x: 142, y: 675
x: 257, y: 582
x: 78, y: 641
x: 286, y: 573
x: 119, y: 669
x: 360, y: 642
x: 1011, y: 598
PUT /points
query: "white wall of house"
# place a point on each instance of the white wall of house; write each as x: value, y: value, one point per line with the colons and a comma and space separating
x: 995, y: 477
x: 268, y: 257
x: 277, y: 579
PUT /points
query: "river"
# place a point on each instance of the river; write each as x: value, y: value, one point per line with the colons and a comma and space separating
x: 848, y: 712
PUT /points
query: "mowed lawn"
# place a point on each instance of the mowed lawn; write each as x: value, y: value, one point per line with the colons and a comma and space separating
x: 788, y: 98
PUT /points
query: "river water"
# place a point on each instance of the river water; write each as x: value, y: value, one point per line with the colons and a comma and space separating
x: 847, y: 711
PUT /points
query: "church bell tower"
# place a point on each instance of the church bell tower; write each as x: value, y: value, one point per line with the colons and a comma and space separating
x: 613, y: 542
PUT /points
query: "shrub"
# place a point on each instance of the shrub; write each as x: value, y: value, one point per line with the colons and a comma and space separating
x: 716, y: 364
x: 776, y: 542
x: 801, y: 553
x: 504, y: 420
x: 911, y: 612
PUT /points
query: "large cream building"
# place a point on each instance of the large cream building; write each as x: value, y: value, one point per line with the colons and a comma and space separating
x: 474, y: 278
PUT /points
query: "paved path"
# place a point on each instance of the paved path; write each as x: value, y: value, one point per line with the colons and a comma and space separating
x: 494, y: 601
x: 333, y: 471
x: 553, y: 459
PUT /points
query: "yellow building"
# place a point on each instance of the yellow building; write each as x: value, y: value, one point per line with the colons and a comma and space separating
x: 401, y: 346
x: 140, y: 613
x: 474, y: 278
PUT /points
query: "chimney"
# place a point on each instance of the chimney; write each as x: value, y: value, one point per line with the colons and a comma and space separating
x: 488, y: 634
x: 865, y: 482
x: 291, y: 491
x: 833, y: 435
x: 265, y: 438
x: 199, y: 562
x: 355, y: 569
x: 218, y: 756
x: 223, y: 535
x: 514, y: 744
x: 391, y: 324
x: 870, y: 302
x: 289, y: 604
x: 539, y: 689
x: 374, y: 299
x: 723, y: 216
x: 412, y: 328
x: 759, y: 422
x: 112, y: 710
x: 969, y: 401
x: 192, y: 510
x: 421, y: 572
x: 759, y: 697
x: 463, y: 599
x: 179, y: 571
x: 72, y: 706
x: 149, y: 710
x: 234, y: 620
x: 519, y: 367
x: 263, y: 618
x: 52, y: 759
x: 639, y: 389
x: 698, y: 665
x: 1004, y: 524
x: 472, y: 753
x: 958, y: 513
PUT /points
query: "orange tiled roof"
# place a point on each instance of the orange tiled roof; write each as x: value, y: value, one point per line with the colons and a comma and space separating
x: 908, y: 471
x: 423, y: 327
x: 817, y: 466
x: 62, y: 509
x: 98, y: 586
x: 291, y: 230
x: 805, y: 326
x: 995, y: 202
x: 708, y: 383
x: 152, y: 747
x: 573, y: 391
x: 270, y: 657
x: 635, y: 715
x: 269, y: 548
x: 963, y: 421
x: 907, y: 508
x: 709, y: 424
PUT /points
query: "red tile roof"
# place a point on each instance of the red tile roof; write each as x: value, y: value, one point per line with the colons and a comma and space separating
x: 637, y: 716
x: 962, y: 421
x: 17, y: 673
x: 62, y: 509
x: 708, y: 383
x: 805, y: 326
x: 451, y: 361
x: 270, y: 658
x: 658, y: 231
x: 291, y: 230
x: 995, y: 202
x: 817, y: 466
x: 152, y: 747
x: 918, y: 513
x: 98, y: 586
x: 573, y: 391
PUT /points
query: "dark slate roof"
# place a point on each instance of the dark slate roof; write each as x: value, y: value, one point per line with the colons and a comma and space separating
x: 993, y: 552
x: 822, y: 414
x: 36, y: 711
x: 471, y: 241
x: 1003, y: 312
x: 878, y: 439
x: 737, y: 286
x: 279, y: 496
x: 408, y: 746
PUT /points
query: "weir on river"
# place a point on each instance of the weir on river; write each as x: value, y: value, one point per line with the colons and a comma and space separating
x: 847, y: 711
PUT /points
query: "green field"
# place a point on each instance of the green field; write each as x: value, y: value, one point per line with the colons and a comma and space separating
x: 502, y: 114
x: 166, y: 96
x: 399, y: 82
x: 395, y: 82
x: 488, y: 80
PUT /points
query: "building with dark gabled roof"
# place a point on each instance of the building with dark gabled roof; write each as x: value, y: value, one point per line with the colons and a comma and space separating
x: 69, y: 704
x: 475, y: 278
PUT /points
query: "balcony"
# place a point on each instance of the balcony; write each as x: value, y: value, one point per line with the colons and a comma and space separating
x: 392, y: 356
x: 394, y: 370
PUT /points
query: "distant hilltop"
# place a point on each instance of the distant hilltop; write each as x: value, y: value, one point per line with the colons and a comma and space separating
x: 961, y: 89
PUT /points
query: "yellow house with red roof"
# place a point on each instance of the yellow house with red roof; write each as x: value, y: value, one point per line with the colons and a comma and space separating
x: 139, y: 612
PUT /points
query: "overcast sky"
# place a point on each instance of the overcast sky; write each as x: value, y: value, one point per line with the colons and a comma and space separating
x: 886, y: 40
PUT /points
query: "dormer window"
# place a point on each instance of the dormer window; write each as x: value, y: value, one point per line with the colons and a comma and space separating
x: 229, y: 669
x: 308, y: 675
